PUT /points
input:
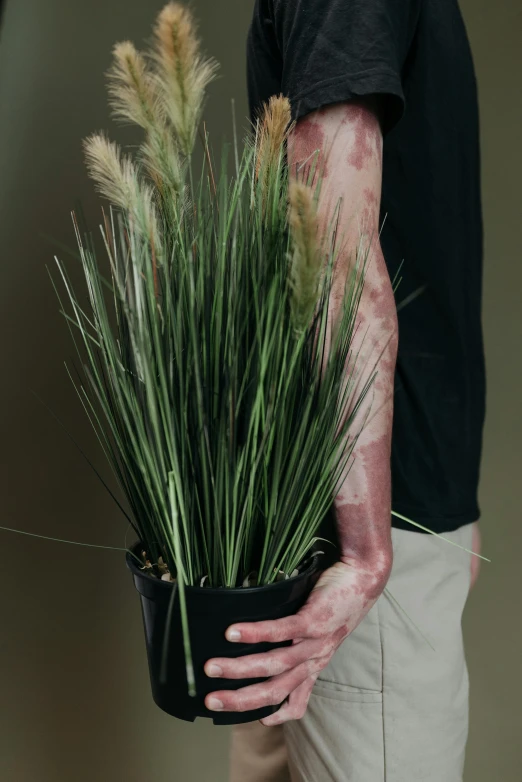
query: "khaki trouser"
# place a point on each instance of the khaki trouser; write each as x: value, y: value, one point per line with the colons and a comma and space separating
x: 388, y: 708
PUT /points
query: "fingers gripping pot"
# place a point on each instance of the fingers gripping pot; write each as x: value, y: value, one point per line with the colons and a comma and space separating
x: 210, y: 613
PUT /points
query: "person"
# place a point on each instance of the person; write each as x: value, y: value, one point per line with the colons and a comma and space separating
x: 375, y: 685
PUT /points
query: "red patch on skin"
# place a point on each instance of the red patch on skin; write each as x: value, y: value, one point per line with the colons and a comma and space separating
x: 367, y: 134
x: 381, y: 300
x: 341, y: 634
x: 364, y: 525
x: 369, y: 587
x: 305, y: 141
x: 370, y: 197
x: 366, y: 219
x: 369, y: 213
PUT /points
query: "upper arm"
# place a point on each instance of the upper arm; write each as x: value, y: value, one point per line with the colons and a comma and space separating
x: 349, y: 141
x: 346, y: 139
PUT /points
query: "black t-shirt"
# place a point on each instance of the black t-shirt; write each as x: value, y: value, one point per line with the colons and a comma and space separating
x: 415, y: 55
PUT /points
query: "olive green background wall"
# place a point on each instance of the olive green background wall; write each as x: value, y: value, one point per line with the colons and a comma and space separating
x: 74, y: 698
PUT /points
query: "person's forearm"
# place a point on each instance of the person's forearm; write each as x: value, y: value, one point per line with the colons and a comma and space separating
x: 350, y: 141
x: 363, y: 505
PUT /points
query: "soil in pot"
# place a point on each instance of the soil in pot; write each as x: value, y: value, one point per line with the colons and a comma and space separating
x: 210, y: 612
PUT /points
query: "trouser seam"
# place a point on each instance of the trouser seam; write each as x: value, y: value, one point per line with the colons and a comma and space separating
x: 385, y: 775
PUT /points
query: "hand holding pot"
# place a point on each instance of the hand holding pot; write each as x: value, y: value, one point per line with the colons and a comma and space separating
x: 341, y: 598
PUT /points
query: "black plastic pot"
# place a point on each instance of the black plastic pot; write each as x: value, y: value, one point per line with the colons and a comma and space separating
x: 210, y: 612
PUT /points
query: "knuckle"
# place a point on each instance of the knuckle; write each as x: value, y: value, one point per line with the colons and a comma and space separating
x: 237, y: 669
x: 315, y: 631
x: 245, y: 704
x: 236, y: 701
x: 277, y: 695
x: 237, y: 672
x: 252, y: 636
x: 275, y: 666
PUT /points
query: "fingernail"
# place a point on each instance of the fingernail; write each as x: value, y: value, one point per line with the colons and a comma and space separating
x: 214, y: 704
x: 234, y: 635
x: 214, y: 670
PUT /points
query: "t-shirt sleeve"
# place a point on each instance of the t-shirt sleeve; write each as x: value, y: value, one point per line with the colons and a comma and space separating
x: 336, y: 50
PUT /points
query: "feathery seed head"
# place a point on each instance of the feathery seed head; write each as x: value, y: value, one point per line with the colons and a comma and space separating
x: 273, y: 129
x: 131, y: 87
x: 117, y: 180
x: 109, y: 170
x: 176, y: 36
x: 182, y: 73
x: 305, y: 266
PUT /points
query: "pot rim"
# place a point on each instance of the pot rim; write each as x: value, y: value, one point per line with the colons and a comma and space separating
x: 131, y: 564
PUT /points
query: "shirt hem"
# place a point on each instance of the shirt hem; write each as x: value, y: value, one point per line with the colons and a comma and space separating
x: 374, y: 81
x: 438, y: 524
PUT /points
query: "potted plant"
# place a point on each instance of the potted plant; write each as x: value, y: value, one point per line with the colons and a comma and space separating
x: 224, y: 400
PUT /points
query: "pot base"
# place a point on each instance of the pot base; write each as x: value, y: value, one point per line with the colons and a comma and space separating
x: 217, y: 717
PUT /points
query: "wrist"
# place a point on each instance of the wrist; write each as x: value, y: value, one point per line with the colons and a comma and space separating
x: 375, y: 566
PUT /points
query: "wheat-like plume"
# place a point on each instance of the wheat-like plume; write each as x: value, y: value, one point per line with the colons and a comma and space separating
x: 134, y: 96
x: 132, y: 89
x: 117, y: 179
x: 182, y: 73
x: 305, y: 265
x: 273, y: 128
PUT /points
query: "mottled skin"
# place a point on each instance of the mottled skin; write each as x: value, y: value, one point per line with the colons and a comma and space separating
x: 348, y: 137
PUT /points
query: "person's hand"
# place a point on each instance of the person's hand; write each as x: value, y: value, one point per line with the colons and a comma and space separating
x: 341, y: 598
x: 476, y: 545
